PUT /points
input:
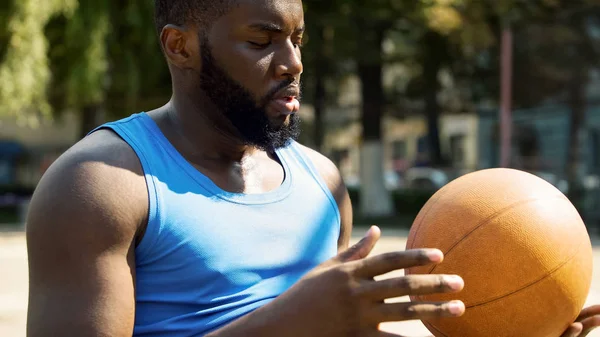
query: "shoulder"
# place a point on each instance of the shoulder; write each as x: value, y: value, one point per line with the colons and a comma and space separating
x: 98, y: 180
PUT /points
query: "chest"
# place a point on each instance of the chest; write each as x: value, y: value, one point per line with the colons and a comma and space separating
x: 255, y: 175
x: 233, y: 245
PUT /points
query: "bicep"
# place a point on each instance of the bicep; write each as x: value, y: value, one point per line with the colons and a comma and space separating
x: 81, y: 262
x: 86, y: 296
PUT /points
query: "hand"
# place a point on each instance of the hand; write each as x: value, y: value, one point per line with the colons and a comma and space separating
x: 341, y: 297
x: 588, y: 320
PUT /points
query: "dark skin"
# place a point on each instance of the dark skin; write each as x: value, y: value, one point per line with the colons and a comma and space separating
x: 90, y: 208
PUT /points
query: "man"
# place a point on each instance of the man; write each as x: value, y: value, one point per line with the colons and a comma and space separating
x: 204, y: 216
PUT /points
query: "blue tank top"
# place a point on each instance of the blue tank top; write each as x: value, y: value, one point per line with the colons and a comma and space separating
x: 209, y: 256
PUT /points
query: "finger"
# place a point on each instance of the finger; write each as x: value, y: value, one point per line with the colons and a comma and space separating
x: 385, y: 263
x: 361, y: 249
x: 573, y: 331
x: 405, y: 311
x: 589, y: 312
x: 589, y: 324
x: 411, y: 285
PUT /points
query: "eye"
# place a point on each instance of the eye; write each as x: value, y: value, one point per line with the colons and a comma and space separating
x: 259, y: 45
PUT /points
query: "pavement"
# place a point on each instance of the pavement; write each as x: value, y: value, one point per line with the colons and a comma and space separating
x: 13, y: 282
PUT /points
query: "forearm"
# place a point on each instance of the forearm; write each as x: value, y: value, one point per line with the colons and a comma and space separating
x: 267, y: 321
x: 285, y: 316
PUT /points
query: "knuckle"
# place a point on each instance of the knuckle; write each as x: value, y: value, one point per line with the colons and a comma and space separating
x: 360, y: 290
x: 405, y: 283
x: 349, y: 286
x: 441, y: 283
x: 354, y: 248
x: 389, y: 258
x: 440, y: 309
x: 350, y: 252
x: 342, y: 274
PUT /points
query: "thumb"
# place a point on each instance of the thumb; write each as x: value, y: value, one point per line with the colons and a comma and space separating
x: 361, y: 249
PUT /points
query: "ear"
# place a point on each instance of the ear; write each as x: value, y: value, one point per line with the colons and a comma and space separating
x: 180, y: 46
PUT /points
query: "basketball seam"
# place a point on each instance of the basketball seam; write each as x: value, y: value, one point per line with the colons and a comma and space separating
x: 430, y: 325
x: 490, y: 219
x: 556, y: 269
x: 506, y: 295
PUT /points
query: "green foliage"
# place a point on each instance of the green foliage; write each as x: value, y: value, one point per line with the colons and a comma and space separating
x: 69, y: 54
x: 24, y: 71
x: 139, y: 77
x: 86, y: 36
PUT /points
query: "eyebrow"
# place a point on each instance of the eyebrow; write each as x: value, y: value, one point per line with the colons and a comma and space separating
x: 272, y: 27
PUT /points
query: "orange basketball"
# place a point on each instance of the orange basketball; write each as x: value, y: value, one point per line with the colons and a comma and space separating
x: 521, y: 248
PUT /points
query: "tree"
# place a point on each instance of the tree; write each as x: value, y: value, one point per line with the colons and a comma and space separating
x: 364, y: 26
x: 79, y: 62
x: 370, y: 22
x: 319, y: 58
x: 87, y: 56
x: 24, y: 71
x: 578, y: 53
x: 101, y: 57
x: 554, y: 54
x: 545, y: 48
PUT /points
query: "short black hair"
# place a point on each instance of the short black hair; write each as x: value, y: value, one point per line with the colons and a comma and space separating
x: 180, y: 12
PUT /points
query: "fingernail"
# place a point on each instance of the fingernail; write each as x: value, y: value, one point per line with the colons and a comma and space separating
x: 455, y: 282
x: 435, y: 255
x: 370, y: 231
x: 456, y: 307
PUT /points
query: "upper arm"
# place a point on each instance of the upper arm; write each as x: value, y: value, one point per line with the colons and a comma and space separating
x: 332, y: 177
x: 81, y: 230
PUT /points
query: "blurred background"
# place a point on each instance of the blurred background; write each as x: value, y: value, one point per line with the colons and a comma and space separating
x: 403, y: 95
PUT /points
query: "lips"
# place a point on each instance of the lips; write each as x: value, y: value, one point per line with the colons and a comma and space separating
x: 286, y: 105
x: 286, y: 101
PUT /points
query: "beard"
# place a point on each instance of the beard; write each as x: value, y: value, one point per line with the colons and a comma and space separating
x: 239, y: 107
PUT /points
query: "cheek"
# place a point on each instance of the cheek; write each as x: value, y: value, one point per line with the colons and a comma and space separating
x: 251, y: 69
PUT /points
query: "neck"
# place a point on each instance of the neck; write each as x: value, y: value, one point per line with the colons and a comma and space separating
x: 204, y: 131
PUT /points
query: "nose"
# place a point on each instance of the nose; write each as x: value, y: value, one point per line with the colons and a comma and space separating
x: 288, y: 62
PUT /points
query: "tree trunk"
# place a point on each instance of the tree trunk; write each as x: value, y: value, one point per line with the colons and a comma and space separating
x: 577, y: 103
x: 91, y: 117
x: 375, y: 199
x: 319, y: 107
x: 432, y: 64
x: 320, y: 93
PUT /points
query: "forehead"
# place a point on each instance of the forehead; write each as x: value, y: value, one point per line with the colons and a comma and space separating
x: 286, y: 13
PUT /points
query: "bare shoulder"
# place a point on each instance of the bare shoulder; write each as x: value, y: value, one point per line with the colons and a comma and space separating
x: 95, y: 191
x: 101, y: 173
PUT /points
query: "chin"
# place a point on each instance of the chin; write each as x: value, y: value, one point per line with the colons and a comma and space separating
x: 280, y: 122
